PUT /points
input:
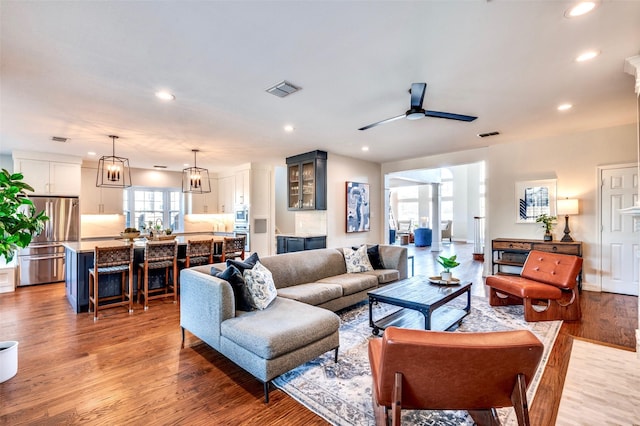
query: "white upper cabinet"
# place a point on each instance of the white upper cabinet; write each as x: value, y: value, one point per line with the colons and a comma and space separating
x: 226, y: 194
x: 95, y: 200
x: 49, y: 176
x: 243, y: 185
x: 206, y: 203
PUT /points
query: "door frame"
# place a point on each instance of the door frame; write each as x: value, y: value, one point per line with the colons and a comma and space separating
x: 599, y: 206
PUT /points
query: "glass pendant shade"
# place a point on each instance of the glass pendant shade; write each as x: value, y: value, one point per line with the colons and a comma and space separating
x: 113, y: 171
x: 195, y: 179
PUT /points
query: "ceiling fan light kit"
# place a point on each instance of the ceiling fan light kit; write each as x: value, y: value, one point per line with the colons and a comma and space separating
x: 417, y: 112
x: 113, y: 171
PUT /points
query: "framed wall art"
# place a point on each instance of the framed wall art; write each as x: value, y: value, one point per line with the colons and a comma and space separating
x: 533, y: 198
x: 358, y: 207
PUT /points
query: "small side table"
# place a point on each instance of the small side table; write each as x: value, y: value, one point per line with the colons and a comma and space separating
x: 412, y: 264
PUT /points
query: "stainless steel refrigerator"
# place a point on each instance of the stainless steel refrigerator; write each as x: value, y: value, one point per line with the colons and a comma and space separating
x: 43, y: 260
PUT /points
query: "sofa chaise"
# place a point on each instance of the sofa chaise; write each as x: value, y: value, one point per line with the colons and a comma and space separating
x: 294, y: 328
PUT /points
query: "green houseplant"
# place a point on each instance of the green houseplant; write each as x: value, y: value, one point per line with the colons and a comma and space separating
x: 547, y: 223
x: 18, y: 218
x: 447, y: 263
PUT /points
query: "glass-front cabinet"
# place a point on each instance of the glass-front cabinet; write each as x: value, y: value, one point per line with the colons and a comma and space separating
x: 307, y: 181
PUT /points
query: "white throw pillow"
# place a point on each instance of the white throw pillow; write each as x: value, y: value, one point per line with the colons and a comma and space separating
x: 259, y: 282
x: 357, y: 260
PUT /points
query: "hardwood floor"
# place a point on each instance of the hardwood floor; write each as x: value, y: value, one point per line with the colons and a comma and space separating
x: 129, y: 369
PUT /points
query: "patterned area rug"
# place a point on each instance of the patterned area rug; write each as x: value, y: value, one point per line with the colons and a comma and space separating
x: 341, y: 393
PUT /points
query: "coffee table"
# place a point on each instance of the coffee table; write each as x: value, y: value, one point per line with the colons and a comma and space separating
x: 424, y: 305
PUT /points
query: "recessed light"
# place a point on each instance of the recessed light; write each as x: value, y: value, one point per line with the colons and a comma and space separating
x: 365, y: 148
x: 564, y: 107
x: 589, y: 54
x: 186, y: 164
x: 91, y: 153
x: 288, y: 128
x: 580, y: 9
x: 165, y: 96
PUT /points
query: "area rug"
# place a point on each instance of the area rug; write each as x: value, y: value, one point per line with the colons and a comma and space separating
x: 602, y: 387
x: 341, y: 392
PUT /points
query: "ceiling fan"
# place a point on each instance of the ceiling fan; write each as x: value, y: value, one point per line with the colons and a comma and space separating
x: 416, y: 111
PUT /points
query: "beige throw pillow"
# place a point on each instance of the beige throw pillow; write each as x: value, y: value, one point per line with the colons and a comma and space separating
x: 259, y: 282
x: 357, y: 260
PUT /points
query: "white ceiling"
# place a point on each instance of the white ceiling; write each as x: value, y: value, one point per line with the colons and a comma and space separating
x: 87, y: 69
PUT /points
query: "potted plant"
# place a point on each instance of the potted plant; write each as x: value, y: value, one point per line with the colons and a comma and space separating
x: 447, y: 263
x: 547, y: 224
x: 18, y: 218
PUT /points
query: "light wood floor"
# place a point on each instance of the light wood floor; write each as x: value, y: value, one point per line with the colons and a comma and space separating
x: 129, y: 369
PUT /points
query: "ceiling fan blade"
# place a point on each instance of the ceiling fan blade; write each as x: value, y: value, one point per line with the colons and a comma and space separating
x: 449, y: 115
x: 417, y: 94
x: 388, y: 120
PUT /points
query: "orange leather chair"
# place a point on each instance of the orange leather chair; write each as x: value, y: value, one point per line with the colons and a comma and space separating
x: 547, y: 287
x: 432, y: 370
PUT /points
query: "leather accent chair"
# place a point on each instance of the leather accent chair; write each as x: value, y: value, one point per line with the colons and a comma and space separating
x: 547, y: 287
x: 432, y: 370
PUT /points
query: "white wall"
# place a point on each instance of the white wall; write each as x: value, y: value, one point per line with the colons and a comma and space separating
x: 285, y: 219
x: 6, y: 162
x: 571, y: 159
x: 340, y: 170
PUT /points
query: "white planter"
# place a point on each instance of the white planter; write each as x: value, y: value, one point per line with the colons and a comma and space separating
x: 446, y: 276
x: 8, y: 360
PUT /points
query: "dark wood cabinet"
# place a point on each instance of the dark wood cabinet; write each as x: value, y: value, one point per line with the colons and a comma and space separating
x: 509, y: 255
x: 307, y: 181
x: 289, y: 244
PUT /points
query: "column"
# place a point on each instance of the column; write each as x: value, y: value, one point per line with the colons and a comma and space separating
x: 436, y: 235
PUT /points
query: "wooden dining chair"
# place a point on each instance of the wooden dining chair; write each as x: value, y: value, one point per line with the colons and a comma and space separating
x: 158, y: 255
x: 199, y: 252
x: 232, y: 248
x: 108, y: 261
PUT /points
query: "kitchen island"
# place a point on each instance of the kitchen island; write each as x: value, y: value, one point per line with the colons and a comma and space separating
x: 79, y: 259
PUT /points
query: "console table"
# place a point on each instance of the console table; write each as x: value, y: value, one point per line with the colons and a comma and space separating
x: 513, y: 252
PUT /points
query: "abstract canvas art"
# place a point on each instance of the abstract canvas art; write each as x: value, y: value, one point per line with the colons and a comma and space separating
x: 358, y: 207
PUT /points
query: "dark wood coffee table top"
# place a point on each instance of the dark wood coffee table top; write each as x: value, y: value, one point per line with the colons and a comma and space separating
x: 419, y: 296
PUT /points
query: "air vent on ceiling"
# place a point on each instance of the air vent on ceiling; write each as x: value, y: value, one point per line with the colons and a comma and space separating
x: 59, y: 139
x: 484, y: 135
x: 282, y: 89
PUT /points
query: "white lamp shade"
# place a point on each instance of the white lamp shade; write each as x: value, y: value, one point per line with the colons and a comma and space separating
x: 568, y: 206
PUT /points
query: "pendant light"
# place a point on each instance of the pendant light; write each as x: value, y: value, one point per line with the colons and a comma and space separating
x: 113, y: 172
x: 195, y: 179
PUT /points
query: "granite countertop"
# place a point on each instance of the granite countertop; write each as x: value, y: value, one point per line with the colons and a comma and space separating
x: 87, y: 246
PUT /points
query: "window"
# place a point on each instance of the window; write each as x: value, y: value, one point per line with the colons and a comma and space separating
x: 408, y: 204
x: 446, y: 194
x: 145, y: 207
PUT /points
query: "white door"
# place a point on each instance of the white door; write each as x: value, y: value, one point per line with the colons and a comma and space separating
x: 619, y: 264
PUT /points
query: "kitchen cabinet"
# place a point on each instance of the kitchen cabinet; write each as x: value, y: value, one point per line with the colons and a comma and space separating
x: 49, y: 177
x: 226, y: 194
x: 289, y: 244
x: 206, y: 203
x: 96, y: 200
x: 242, y: 187
x: 307, y: 181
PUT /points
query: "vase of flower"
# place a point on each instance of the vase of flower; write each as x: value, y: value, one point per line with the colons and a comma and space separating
x: 447, y: 263
x: 547, y: 223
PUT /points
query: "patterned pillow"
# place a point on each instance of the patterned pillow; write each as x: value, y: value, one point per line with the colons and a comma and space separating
x: 259, y: 282
x: 357, y: 261
x: 374, y: 257
x: 248, y: 263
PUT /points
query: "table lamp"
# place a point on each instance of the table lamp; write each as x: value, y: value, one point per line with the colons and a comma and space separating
x: 566, y: 207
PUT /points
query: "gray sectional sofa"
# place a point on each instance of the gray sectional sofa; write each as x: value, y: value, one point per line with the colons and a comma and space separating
x: 294, y: 328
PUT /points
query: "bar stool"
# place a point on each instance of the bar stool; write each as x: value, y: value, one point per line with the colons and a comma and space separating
x: 199, y: 252
x: 159, y: 255
x: 107, y: 261
x: 232, y: 248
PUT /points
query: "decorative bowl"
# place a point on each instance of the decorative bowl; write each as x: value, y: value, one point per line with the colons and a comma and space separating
x: 130, y: 235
